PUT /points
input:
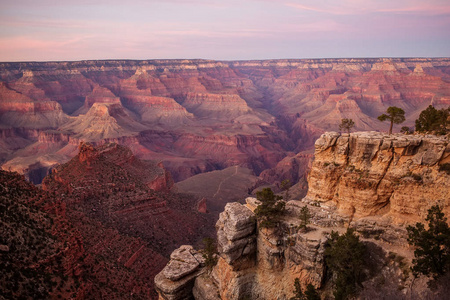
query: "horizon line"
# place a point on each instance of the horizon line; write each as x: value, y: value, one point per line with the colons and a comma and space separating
x: 226, y: 60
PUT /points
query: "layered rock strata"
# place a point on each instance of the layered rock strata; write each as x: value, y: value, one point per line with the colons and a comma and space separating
x: 251, y: 263
x: 176, y: 280
x: 200, y: 115
x: 371, y: 173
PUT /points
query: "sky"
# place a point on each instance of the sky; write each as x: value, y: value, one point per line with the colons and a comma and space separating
x: 55, y: 30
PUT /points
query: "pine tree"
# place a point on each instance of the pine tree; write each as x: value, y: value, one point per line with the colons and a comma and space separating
x: 305, y: 215
x: 298, y: 293
x: 394, y: 115
x: 345, y: 259
x: 433, y: 120
x: 432, y: 254
x: 346, y: 124
x: 311, y: 293
x: 270, y: 209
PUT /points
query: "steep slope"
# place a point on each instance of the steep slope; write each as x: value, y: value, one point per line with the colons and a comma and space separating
x: 48, y: 250
x: 109, y: 184
x: 36, y: 243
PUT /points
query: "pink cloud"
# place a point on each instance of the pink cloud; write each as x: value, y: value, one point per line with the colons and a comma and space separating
x: 351, y: 7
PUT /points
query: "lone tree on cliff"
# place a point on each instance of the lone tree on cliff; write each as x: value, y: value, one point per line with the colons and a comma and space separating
x: 346, y: 124
x: 270, y: 209
x: 394, y: 115
x: 432, y: 254
x: 433, y: 120
x: 305, y: 216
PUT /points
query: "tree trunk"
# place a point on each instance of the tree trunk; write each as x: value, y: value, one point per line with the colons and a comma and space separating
x: 390, y: 128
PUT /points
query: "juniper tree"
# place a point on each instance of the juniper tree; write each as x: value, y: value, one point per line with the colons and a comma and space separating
x: 209, y: 253
x: 304, y: 216
x: 345, y: 259
x: 309, y: 294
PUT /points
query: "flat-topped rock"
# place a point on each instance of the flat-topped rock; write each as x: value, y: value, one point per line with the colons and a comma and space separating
x: 373, y: 173
x: 182, y: 263
x: 237, y: 220
x: 236, y: 230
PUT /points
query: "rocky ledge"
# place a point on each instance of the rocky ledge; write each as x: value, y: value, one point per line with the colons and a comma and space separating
x: 371, y: 173
x: 176, y: 280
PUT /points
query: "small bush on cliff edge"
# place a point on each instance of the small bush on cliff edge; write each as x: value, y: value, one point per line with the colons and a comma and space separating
x: 271, y: 208
x: 347, y: 125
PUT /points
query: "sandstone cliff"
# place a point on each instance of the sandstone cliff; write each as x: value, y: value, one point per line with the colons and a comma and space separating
x: 370, y: 173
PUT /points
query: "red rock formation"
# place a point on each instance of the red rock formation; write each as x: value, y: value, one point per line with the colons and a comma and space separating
x: 221, y: 106
x: 122, y: 186
x: 195, y: 107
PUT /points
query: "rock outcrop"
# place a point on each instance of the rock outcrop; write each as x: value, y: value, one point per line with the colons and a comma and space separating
x: 253, y: 264
x: 176, y: 280
x: 370, y: 173
x: 359, y: 171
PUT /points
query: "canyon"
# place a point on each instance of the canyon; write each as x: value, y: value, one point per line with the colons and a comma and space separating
x: 375, y: 183
x: 102, y: 224
x: 197, y: 116
x: 128, y: 152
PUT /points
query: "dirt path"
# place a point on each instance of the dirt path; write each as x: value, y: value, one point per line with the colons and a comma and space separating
x: 220, y: 184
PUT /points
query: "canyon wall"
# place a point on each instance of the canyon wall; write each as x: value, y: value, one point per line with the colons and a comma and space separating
x: 370, y: 173
x: 199, y: 115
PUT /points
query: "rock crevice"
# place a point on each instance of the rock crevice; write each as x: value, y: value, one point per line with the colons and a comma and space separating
x: 380, y: 173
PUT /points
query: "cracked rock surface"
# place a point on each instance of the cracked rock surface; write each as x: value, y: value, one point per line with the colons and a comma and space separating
x: 372, y: 173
